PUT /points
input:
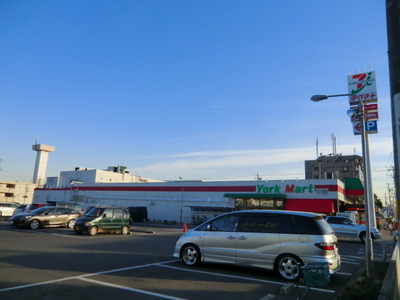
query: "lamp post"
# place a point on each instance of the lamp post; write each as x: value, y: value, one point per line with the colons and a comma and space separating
x: 368, y: 197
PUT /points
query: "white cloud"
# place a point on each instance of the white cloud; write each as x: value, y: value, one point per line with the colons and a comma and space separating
x: 271, y: 164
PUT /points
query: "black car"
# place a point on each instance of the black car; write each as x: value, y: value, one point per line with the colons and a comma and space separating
x: 46, y: 217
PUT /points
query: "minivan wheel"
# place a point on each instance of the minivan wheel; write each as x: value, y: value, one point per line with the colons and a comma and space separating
x: 71, y: 223
x: 125, y: 230
x: 34, y: 224
x: 93, y: 230
x: 288, y: 266
x: 191, y: 255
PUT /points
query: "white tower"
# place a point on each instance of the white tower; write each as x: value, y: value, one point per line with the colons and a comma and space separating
x: 39, y: 176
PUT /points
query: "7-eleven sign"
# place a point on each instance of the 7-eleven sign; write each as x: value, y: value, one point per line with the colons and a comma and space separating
x: 363, y: 86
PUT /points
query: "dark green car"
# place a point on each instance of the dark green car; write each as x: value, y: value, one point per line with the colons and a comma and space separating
x: 103, y: 219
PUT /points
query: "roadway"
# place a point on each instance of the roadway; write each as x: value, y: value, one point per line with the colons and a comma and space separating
x: 54, y: 263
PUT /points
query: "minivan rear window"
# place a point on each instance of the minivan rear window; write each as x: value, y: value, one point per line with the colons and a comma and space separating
x: 323, y: 225
x: 295, y: 224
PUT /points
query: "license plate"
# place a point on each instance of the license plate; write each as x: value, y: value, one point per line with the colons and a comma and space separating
x: 76, y: 227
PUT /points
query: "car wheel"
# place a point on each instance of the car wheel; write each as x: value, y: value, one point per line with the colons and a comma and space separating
x: 93, y: 230
x: 125, y: 230
x: 288, y: 266
x: 363, y: 236
x: 191, y: 255
x: 34, y: 224
x: 71, y: 223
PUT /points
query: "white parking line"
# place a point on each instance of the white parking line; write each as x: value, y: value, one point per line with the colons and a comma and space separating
x: 241, y: 278
x: 130, y: 289
x: 342, y: 273
x: 83, y: 276
x: 354, y: 257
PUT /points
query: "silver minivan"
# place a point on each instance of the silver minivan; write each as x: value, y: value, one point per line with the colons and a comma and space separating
x: 271, y: 239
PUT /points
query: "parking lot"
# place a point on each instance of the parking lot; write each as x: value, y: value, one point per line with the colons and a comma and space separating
x: 55, y: 263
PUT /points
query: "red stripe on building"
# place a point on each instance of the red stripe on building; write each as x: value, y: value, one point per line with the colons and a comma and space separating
x: 331, y: 188
x: 312, y: 205
x: 355, y: 192
x: 250, y: 189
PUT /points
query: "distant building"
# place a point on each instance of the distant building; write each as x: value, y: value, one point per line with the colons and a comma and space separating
x: 113, y: 174
x: 335, y: 166
x: 20, y: 192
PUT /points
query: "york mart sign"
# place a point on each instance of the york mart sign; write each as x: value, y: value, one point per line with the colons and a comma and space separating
x: 287, y: 189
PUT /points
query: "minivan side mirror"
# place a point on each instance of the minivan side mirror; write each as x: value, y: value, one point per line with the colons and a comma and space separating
x: 104, y: 215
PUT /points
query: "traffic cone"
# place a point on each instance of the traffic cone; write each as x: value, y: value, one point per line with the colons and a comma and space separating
x: 185, y: 227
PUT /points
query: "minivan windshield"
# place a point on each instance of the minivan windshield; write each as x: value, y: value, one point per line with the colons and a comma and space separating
x: 95, y: 212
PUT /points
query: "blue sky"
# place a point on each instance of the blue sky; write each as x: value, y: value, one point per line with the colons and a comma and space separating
x: 191, y: 89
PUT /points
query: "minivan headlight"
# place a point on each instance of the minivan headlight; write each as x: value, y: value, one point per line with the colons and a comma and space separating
x: 87, y: 224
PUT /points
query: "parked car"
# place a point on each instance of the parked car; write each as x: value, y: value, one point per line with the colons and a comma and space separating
x: 270, y: 239
x: 104, y: 219
x: 46, y: 217
x: 347, y: 228
x: 20, y: 208
x: 7, y: 208
x: 74, y: 205
x: 34, y: 206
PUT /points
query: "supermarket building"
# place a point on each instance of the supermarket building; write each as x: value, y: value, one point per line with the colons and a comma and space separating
x: 193, y: 202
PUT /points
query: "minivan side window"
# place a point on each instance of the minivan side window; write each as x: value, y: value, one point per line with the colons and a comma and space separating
x: 265, y: 223
x: 108, y: 213
x: 294, y: 224
x: 118, y: 213
x: 224, y: 223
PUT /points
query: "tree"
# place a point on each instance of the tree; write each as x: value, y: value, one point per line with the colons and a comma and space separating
x: 378, y: 202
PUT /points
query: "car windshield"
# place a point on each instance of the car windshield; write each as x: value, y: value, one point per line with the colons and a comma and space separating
x: 95, y: 212
x: 40, y: 211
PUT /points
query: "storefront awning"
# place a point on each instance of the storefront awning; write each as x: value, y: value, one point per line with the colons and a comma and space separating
x: 256, y: 196
x: 311, y: 205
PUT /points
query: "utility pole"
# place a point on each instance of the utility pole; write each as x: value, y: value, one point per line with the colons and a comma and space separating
x: 393, y: 35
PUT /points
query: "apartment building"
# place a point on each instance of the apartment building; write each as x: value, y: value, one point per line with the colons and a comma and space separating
x: 20, y: 192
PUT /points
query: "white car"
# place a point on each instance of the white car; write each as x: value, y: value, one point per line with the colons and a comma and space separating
x: 7, y: 209
x: 347, y: 228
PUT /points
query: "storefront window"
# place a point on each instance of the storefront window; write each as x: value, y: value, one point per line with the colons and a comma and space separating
x: 253, y: 203
x: 259, y: 203
x: 267, y: 203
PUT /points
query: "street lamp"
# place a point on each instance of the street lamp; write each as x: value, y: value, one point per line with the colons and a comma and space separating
x: 368, y: 199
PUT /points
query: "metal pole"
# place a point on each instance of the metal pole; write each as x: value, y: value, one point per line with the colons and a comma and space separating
x: 367, y: 196
x: 180, y: 216
x: 393, y: 34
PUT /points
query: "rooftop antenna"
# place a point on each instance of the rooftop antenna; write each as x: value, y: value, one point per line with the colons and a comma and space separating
x: 36, y: 139
x: 333, y: 137
x: 316, y: 146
